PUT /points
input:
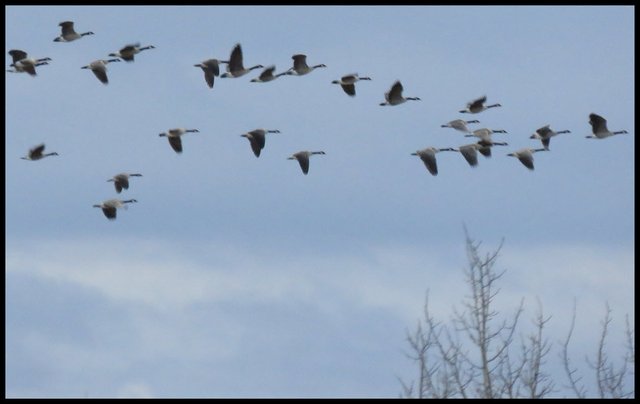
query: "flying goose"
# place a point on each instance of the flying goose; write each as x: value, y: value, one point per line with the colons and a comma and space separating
x: 303, y: 159
x: 348, y: 83
x: 36, y: 153
x: 394, y: 95
x: 476, y: 106
x: 599, y: 127
x: 300, y: 67
x: 235, y: 67
x: 127, y: 53
x: 121, y: 181
x: 109, y: 207
x: 545, y: 134
x: 68, y: 34
x: 173, y: 135
x: 428, y: 157
x: 211, y: 69
x: 526, y: 156
x: 22, y: 63
x: 459, y: 124
x: 267, y: 75
x: 257, y: 139
x: 99, y: 68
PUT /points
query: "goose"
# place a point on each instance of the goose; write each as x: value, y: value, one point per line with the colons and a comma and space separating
x: 127, y: 53
x: 121, y: 181
x: 599, y: 127
x: 68, y: 33
x: 235, y: 67
x: 303, y: 159
x: 476, y: 106
x: 428, y: 157
x: 545, y: 134
x: 348, y: 83
x: 267, y: 75
x: 173, y: 135
x: 110, y: 206
x: 22, y: 63
x: 211, y: 69
x: 394, y: 95
x: 485, y: 133
x: 300, y: 67
x: 99, y: 68
x: 459, y: 124
x: 526, y: 156
x: 36, y: 153
x: 257, y: 139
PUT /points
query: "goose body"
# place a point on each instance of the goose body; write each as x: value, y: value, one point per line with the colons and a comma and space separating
x: 211, y: 69
x: 599, y: 128
x: 121, y: 181
x: 394, y: 95
x: 428, y: 157
x: 99, y: 68
x: 545, y: 134
x: 173, y: 135
x: 459, y: 124
x: 129, y: 51
x: 267, y: 75
x: 110, y: 207
x: 257, y: 139
x: 487, y: 144
x: 300, y: 67
x: 68, y: 33
x: 477, y: 106
x: 23, y: 64
x: 303, y: 159
x: 485, y: 133
x: 235, y: 67
x: 348, y: 83
x: 37, y: 153
x: 525, y: 156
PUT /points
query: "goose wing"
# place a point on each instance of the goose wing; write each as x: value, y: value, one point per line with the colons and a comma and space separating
x: 527, y: 160
x: 109, y: 212
x: 17, y: 55
x: 350, y: 89
x: 429, y: 160
x: 477, y: 103
x: 235, y: 60
x: 303, y: 159
x: 598, y: 123
x: 176, y: 143
x: 267, y: 73
x: 101, y: 74
x: 470, y: 154
x: 67, y: 28
x: 396, y: 91
x: 299, y: 62
x: 36, y: 151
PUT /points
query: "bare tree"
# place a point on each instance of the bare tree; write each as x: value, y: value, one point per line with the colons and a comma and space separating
x: 478, y: 355
x: 610, y: 380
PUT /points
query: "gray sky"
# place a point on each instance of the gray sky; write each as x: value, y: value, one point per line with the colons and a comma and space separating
x: 237, y: 276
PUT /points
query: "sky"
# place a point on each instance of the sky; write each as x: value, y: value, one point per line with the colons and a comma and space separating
x: 237, y: 276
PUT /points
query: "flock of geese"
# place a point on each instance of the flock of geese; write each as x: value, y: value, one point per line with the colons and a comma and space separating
x: 235, y: 68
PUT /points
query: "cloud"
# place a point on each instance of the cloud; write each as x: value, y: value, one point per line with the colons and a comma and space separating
x: 135, y: 390
x: 190, y: 311
x: 161, y: 275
